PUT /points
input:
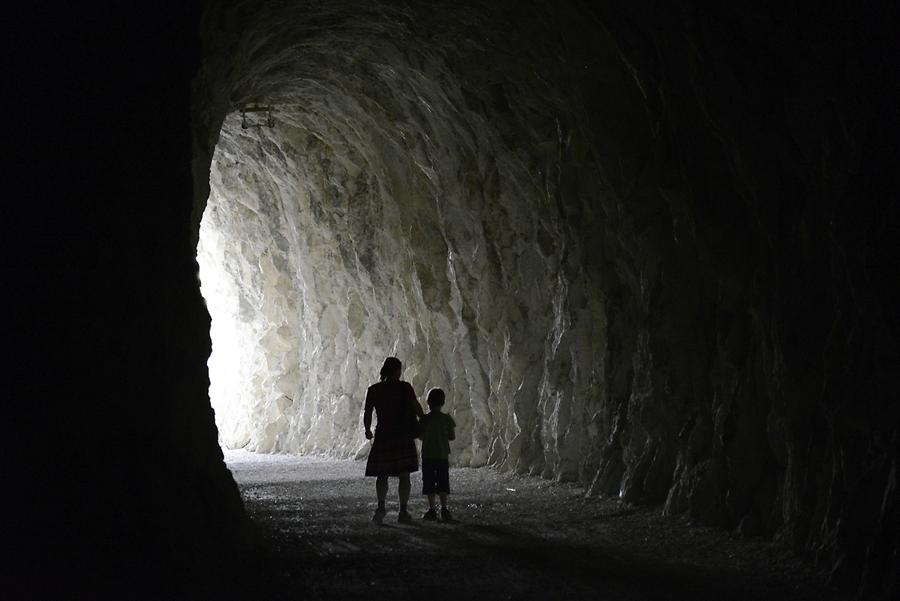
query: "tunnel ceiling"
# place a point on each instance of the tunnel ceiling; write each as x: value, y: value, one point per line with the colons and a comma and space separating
x: 605, y: 235
x: 425, y: 191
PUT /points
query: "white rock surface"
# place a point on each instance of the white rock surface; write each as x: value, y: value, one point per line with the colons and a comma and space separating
x: 403, y: 204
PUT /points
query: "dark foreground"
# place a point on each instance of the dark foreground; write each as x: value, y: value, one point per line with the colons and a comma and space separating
x: 518, y: 538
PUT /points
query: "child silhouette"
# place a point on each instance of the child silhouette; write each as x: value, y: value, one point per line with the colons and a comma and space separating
x: 436, y: 432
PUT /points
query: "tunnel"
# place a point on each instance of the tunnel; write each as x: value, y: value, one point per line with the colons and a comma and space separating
x: 648, y: 250
x: 396, y: 200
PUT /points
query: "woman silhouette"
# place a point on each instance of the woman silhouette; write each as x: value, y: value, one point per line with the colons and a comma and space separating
x: 393, y: 451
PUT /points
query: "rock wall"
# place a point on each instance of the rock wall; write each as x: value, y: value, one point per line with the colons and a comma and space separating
x: 774, y: 133
x: 645, y: 248
x: 114, y: 485
x: 403, y: 205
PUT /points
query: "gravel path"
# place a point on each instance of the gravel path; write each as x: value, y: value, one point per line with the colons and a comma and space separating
x: 517, y: 538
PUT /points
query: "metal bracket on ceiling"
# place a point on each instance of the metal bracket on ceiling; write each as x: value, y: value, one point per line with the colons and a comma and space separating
x: 249, y: 112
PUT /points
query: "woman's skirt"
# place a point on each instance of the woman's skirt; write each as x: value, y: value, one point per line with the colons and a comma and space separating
x: 392, y: 457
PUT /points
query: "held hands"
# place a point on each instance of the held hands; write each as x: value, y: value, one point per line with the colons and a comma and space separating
x: 368, y: 434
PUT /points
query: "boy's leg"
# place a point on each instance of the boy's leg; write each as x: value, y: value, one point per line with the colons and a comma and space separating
x: 428, y: 483
x: 381, y: 489
x: 443, y: 489
x: 443, y: 496
x: 442, y: 475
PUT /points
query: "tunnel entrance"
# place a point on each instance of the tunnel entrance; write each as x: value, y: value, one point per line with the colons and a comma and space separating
x: 400, y: 200
x: 358, y: 224
x: 271, y: 271
x: 315, y: 265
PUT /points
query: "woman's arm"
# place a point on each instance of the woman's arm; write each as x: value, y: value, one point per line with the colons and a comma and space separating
x: 367, y: 414
x: 367, y: 422
x: 415, y: 401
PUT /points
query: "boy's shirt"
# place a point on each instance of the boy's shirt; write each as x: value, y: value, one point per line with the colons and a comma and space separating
x: 436, y: 430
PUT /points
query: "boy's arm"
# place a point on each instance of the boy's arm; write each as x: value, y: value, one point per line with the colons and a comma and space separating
x: 451, y: 431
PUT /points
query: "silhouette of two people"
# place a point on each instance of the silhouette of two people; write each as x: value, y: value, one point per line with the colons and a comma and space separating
x: 393, y: 452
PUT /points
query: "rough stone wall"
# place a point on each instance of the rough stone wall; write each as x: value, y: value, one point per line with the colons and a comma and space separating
x: 645, y: 248
x: 774, y: 137
x: 410, y: 202
x: 114, y: 485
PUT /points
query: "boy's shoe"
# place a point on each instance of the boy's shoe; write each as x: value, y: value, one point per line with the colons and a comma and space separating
x: 430, y: 515
x: 404, y: 518
x: 379, y: 515
x: 446, y: 516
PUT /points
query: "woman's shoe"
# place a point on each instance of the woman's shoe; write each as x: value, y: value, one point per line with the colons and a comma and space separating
x: 379, y: 515
x: 404, y: 518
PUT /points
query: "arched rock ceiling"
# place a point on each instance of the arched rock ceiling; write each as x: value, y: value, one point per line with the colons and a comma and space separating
x: 428, y: 190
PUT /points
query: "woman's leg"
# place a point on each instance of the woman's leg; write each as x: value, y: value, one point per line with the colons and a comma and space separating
x: 381, y: 489
x: 404, y: 490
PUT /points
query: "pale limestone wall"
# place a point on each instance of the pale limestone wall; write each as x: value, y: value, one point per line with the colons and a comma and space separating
x: 402, y: 207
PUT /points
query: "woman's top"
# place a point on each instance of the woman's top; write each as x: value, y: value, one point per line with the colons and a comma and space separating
x: 396, y: 407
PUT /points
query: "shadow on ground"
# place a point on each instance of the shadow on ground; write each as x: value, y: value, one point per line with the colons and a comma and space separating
x: 519, y: 538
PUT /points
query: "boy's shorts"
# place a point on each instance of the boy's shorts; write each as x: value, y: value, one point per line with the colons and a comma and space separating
x: 435, y: 476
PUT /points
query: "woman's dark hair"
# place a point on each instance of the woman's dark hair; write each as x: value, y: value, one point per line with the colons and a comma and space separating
x: 391, y: 365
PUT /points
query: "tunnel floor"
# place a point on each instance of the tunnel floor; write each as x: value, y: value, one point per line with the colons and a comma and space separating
x: 517, y: 538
